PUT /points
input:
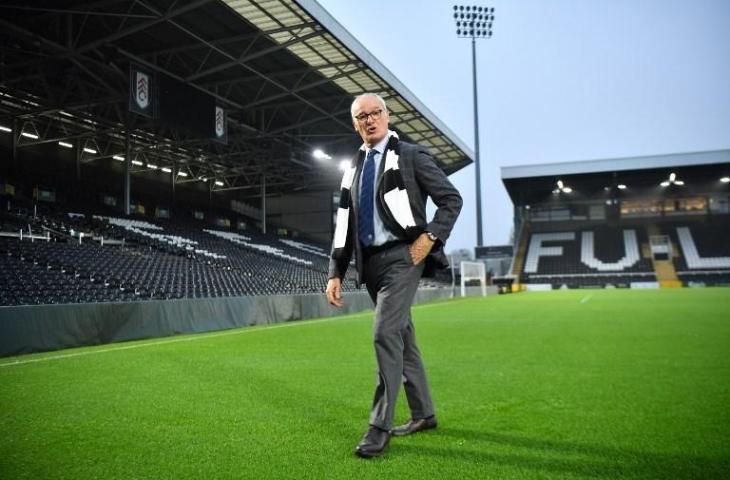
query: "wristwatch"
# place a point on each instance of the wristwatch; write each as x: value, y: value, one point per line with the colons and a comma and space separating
x: 432, y: 237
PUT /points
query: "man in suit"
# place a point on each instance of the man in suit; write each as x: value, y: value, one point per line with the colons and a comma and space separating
x: 382, y: 221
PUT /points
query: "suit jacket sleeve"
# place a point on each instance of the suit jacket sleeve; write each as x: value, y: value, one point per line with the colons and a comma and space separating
x: 434, y: 182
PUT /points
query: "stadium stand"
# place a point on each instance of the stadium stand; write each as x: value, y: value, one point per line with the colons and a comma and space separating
x: 76, y: 257
x: 598, y: 256
x: 614, y: 255
x: 701, y: 252
x: 644, y: 222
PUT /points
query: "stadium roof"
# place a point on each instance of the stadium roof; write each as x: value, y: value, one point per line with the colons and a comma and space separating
x: 617, y: 164
x: 640, y: 177
x: 341, y: 58
x: 285, y: 72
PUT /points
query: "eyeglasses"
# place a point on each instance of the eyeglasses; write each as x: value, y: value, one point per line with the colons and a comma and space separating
x: 363, y: 117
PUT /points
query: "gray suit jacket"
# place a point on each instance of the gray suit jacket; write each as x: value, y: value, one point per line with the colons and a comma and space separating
x: 422, y: 178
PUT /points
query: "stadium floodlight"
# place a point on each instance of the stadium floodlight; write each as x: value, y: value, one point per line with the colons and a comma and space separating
x: 166, y: 169
x: 725, y: 179
x: 621, y: 186
x: 90, y: 150
x: 182, y: 174
x: 672, y: 181
x: 137, y: 162
x: 562, y: 188
x: 152, y: 166
x: 3, y: 128
x: 118, y: 158
x: 344, y: 165
x: 66, y: 144
x: 219, y: 183
x: 29, y: 135
x: 475, y: 22
x: 320, y: 155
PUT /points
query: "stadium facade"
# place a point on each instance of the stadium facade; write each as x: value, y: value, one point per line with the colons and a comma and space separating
x: 642, y: 222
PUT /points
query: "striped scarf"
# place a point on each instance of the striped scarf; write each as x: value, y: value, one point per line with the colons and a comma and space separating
x: 396, y: 200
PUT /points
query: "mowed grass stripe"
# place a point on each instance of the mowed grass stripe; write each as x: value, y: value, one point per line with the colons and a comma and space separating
x: 631, y: 384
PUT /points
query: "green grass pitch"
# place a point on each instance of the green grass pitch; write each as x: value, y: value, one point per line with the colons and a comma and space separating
x: 598, y: 384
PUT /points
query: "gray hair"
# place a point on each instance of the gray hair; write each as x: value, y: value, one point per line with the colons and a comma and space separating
x: 365, y: 95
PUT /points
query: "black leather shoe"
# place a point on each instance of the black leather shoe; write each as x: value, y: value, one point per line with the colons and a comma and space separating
x: 373, y: 443
x: 413, y: 426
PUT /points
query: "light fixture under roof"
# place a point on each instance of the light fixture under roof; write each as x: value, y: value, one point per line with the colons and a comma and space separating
x: 673, y: 180
x: 562, y: 188
x: 344, y: 165
x: 29, y: 130
x: 320, y: 155
x: 66, y: 144
x: 725, y: 179
x: 90, y: 147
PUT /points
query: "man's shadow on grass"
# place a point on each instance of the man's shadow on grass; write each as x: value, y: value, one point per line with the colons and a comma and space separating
x: 567, y: 457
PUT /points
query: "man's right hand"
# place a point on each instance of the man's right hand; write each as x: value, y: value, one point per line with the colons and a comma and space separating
x: 334, y: 292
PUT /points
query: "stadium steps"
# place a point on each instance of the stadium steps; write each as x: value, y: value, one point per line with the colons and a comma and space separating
x: 666, y: 275
x: 518, y: 263
x: 664, y: 270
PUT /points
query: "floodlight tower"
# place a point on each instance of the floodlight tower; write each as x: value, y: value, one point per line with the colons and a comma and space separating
x: 475, y: 22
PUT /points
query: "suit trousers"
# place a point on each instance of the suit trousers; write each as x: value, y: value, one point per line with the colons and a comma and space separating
x: 392, y: 281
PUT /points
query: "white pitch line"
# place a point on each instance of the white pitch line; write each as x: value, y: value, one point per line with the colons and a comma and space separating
x: 586, y: 298
x: 190, y: 338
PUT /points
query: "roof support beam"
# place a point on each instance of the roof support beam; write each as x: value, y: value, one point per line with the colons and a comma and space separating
x: 247, y: 58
